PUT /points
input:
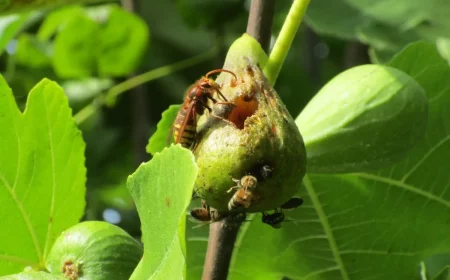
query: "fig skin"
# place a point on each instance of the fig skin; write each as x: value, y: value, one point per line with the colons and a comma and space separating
x: 258, y: 131
x: 94, y: 250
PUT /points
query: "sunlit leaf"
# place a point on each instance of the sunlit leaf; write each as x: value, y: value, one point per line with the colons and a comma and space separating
x: 42, y: 175
x: 162, y: 189
x: 160, y: 138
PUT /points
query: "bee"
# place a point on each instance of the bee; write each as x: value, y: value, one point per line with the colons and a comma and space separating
x: 244, y: 194
x: 292, y: 203
x: 184, y: 128
x: 206, y: 214
x: 274, y: 220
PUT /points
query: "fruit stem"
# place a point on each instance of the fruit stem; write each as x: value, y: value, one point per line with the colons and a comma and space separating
x: 284, y: 40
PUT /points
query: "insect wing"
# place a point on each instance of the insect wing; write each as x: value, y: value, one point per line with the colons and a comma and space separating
x: 292, y: 203
x: 190, y: 112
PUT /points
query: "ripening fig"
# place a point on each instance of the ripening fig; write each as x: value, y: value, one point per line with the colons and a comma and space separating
x: 94, y: 250
x: 255, y: 135
x: 365, y: 118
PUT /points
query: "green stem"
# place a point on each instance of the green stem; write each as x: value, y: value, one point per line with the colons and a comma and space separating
x: 111, y: 95
x: 284, y: 40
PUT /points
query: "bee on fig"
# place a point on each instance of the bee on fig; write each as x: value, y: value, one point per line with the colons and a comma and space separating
x: 206, y: 214
x: 244, y: 194
x: 274, y: 220
x: 292, y: 203
x: 184, y: 128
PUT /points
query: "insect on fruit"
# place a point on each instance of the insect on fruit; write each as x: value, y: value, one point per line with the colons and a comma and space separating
x: 244, y: 194
x: 274, y: 220
x: 184, y: 128
x: 205, y: 214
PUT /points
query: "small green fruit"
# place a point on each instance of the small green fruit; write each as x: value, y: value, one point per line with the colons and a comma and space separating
x: 94, y: 250
x: 258, y: 131
x: 365, y: 118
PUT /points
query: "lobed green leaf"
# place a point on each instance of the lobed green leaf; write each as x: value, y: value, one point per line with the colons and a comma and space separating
x: 42, y: 175
x: 162, y: 189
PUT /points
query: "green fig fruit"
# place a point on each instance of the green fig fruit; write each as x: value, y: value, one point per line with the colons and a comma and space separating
x: 365, y: 118
x: 94, y: 251
x: 249, y: 134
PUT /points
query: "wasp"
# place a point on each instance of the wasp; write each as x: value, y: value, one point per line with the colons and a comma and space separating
x: 184, y: 128
x: 244, y: 194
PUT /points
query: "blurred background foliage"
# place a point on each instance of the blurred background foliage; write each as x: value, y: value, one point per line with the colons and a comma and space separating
x: 92, y: 50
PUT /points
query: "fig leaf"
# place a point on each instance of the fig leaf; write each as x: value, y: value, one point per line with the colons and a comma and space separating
x: 41, y: 171
x: 159, y: 139
x: 162, y: 189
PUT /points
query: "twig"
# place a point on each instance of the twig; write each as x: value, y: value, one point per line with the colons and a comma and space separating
x: 139, y: 104
x: 355, y: 54
x: 259, y: 24
x: 311, y: 61
x: 222, y: 235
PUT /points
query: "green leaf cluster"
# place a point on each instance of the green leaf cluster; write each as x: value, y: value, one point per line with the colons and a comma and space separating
x: 88, y: 41
x: 81, y: 42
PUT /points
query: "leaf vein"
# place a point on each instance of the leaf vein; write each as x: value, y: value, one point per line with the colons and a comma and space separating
x: 326, y: 226
x: 424, y: 158
x: 405, y: 186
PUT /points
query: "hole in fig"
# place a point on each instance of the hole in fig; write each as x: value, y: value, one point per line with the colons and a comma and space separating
x: 245, y: 106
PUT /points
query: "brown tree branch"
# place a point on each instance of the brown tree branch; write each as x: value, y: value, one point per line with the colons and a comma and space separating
x: 139, y: 104
x: 259, y: 24
x: 222, y: 235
